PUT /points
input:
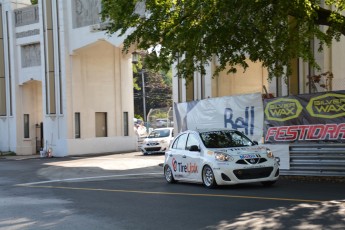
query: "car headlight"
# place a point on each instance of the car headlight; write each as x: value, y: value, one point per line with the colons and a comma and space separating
x: 163, y: 141
x: 220, y: 156
x: 269, y: 153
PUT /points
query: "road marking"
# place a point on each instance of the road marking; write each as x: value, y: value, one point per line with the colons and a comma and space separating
x: 87, y: 178
x: 172, y: 193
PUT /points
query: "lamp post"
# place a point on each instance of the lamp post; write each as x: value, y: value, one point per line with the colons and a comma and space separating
x: 144, y: 93
x: 135, y: 58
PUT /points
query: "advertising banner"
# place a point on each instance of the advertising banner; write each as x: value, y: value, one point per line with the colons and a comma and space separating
x: 316, y: 117
x: 242, y: 112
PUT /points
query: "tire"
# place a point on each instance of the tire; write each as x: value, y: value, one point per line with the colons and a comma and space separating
x: 208, y: 177
x: 169, y: 177
x: 268, y: 183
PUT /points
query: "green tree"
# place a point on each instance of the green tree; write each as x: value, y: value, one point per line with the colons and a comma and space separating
x: 34, y: 2
x: 158, y: 91
x: 270, y: 31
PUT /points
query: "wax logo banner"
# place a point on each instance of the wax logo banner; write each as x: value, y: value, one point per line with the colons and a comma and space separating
x: 316, y: 117
x: 283, y: 109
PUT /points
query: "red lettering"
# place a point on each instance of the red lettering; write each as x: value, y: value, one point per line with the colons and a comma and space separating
x: 341, y: 131
x: 330, y: 130
x: 271, y: 132
x: 315, y: 132
x: 281, y: 133
x: 306, y: 132
x: 292, y: 133
x: 303, y: 130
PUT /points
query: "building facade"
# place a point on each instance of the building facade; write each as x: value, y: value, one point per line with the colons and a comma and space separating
x: 304, y: 79
x: 65, y: 85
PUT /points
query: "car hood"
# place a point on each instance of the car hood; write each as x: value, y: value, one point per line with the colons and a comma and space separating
x: 243, y: 150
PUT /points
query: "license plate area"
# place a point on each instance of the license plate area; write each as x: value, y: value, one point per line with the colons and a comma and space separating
x: 249, y: 156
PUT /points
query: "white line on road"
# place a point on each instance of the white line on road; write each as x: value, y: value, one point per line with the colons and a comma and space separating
x: 87, y: 178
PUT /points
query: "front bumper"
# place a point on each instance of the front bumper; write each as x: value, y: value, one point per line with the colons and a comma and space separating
x: 153, y: 148
x: 229, y: 174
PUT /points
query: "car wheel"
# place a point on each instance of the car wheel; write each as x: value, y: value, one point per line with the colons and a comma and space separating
x: 268, y: 183
x: 208, y: 177
x: 169, y: 177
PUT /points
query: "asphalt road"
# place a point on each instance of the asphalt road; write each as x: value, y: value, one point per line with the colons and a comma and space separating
x: 128, y: 191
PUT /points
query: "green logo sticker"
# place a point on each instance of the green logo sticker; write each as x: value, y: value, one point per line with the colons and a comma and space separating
x: 330, y: 105
x: 283, y: 109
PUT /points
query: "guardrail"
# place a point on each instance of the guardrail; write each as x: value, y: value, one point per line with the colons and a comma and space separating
x: 316, y: 160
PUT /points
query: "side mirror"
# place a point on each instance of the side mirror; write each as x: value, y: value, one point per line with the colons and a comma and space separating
x: 194, y: 148
x: 255, y: 143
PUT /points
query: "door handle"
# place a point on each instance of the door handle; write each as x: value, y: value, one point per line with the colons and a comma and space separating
x: 184, y: 156
x: 170, y: 155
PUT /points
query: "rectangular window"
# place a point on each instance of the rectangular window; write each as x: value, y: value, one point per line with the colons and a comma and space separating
x: 125, y: 124
x: 77, y: 125
x: 26, y: 126
x: 101, y: 125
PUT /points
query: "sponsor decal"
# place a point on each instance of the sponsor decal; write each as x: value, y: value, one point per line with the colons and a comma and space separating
x: 258, y: 148
x: 307, y: 132
x: 249, y: 156
x: 184, y: 168
x: 330, y: 105
x: 246, y: 122
x: 283, y: 109
x: 174, y: 164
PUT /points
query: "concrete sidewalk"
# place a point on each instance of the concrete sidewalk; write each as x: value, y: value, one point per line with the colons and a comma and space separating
x: 16, y: 157
x: 95, y: 165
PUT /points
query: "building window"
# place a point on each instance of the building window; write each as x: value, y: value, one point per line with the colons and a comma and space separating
x: 101, y: 124
x: 26, y: 126
x: 77, y: 125
x: 125, y: 123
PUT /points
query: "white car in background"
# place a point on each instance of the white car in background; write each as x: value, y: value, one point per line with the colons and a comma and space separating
x: 219, y: 157
x: 158, y: 141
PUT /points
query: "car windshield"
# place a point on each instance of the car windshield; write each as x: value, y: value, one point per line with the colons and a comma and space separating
x: 225, y: 139
x: 159, y: 133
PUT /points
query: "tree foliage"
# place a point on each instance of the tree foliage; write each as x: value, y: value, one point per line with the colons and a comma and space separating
x: 158, y: 90
x: 194, y: 32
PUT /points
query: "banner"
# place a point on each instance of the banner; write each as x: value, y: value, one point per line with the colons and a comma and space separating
x: 242, y: 112
x: 316, y: 117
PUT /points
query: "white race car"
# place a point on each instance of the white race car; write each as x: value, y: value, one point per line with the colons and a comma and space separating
x: 158, y: 141
x: 219, y: 157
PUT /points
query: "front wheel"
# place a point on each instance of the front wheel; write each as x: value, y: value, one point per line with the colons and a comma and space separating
x: 169, y: 177
x: 208, y: 177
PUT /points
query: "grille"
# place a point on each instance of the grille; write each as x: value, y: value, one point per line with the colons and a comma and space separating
x: 153, y: 148
x: 245, y: 174
x: 249, y: 162
x: 152, y: 143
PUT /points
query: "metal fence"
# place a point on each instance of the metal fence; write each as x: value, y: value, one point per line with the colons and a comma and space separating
x: 316, y: 160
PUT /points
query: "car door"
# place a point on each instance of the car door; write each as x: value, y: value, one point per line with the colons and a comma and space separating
x: 175, y: 155
x: 192, y: 159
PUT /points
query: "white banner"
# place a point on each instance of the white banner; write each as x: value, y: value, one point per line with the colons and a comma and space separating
x: 242, y: 112
x: 281, y: 152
